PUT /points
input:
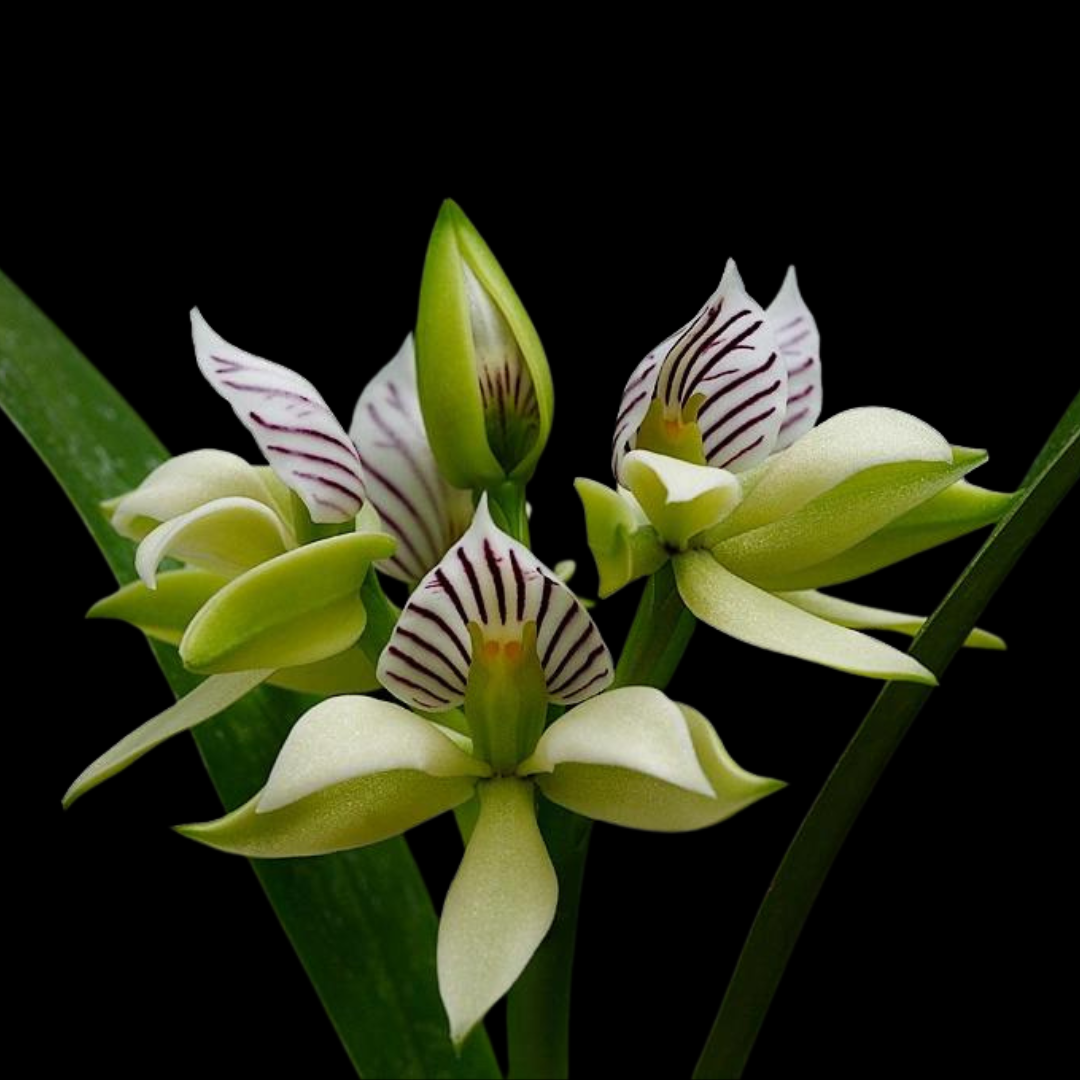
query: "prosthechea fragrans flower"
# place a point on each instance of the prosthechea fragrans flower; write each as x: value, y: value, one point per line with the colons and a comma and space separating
x: 274, y: 557
x: 484, y: 381
x: 491, y: 630
x: 720, y: 468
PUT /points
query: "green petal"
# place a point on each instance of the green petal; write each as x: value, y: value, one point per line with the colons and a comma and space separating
x: 842, y: 447
x: 225, y: 536
x: 296, y: 609
x: 345, y: 738
x: 858, y: 617
x: 162, y: 613
x: 954, y: 512
x: 499, y: 907
x: 840, y: 518
x: 349, y: 815
x: 679, y: 498
x: 205, y: 701
x: 349, y: 672
x: 183, y: 483
x: 446, y: 364
x: 635, y: 728
x: 623, y: 543
x: 637, y: 799
x: 735, y: 607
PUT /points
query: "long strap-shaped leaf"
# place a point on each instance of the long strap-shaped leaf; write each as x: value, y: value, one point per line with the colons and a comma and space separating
x: 371, y: 961
x: 808, y: 860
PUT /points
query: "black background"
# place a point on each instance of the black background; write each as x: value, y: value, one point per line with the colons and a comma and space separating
x: 929, y: 257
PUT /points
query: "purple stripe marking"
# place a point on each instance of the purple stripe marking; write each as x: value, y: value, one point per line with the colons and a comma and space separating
x: 794, y: 322
x: 727, y: 440
x: 273, y: 391
x: 630, y: 408
x: 736, y: 383
x: 492, y: 561
x: 330, y: 504
x: 395, y: 527
x: 581, y: 689
x: 580, y: 670
x: 732, y: 413
x: 313, y: 457
x: 418, y: 687
x: 545, y: 599
x: 474, y: 584
x: 793, y: 419
x: 311, y: 432
x: 329, y: 483
x: 572, y: 651
x: 705, y: 346
x: 634, y: 383
x: 448, y: 588
x: 443, y: 625
x: 805, y: 392
x: 571, y: 611
x: 519, y: 585
x: 410, y: 508
x: 427, y: 646
x: 405, y: 451
x: 796, y: 339
x: 686, y: 343
x: 735, y: 343
x: 230, y: 365
x: 423, y: 669
x: 745, y: 450
x: 802, y: 367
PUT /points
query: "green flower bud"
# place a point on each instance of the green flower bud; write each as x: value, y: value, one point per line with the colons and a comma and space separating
x: 485, y: 388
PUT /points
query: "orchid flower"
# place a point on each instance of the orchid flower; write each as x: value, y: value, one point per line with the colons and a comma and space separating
x: 491, y: 630
x: 721, y: 470
x: 484, y: 381
x: 274, y: 556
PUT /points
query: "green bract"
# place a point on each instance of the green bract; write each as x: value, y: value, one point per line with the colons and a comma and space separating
x: 492, y: 629
x: 485, y: 388
x: 864, y: 489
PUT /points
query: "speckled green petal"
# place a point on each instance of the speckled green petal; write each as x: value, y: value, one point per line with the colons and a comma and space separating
x: 299, y: 608
x: 736, y: 607
x: 842, y: 517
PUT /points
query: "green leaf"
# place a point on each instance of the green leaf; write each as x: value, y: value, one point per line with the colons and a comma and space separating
x: 361, y: 922
x: 802, y: 872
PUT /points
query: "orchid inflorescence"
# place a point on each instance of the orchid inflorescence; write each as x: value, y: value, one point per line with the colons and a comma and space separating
x: 724, y: 483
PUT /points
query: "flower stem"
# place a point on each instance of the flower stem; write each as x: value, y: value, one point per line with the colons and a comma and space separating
x: 806, y: 864
x: 538, y: 1008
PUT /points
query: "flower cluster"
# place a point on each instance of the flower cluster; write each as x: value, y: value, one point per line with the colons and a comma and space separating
x: 723, y: 479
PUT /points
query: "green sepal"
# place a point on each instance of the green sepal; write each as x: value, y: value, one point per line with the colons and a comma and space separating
x: 447, y: 372
x: 623, y: 544
x: 349, y: 672
x: 954, y: 512
x: 162, y: 613
x: 299, y: 608
x: 839, y: 518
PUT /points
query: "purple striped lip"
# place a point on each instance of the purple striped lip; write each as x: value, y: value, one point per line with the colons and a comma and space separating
x: 492, y: 581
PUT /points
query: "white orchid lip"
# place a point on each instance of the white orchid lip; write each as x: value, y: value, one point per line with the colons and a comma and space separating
x: 294, y: 427
x: 495, y: 583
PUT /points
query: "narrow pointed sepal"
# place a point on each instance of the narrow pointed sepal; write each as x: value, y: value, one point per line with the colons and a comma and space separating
x: 681, y: 500
x: 417, y: 506
x: 207, y: 700
x: 497, y: 584
x: 859, y: 617
x: 744, y: 611
x: 799, y: 343
x: 299, y: 608
x: 183, y: 484
x: 294, y: 427
x: 347, y: 672
x: 226, y: 536
x: 162, y: 613
x: 623, y: 543
x: 633, y: 757
x: 499, y: 908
